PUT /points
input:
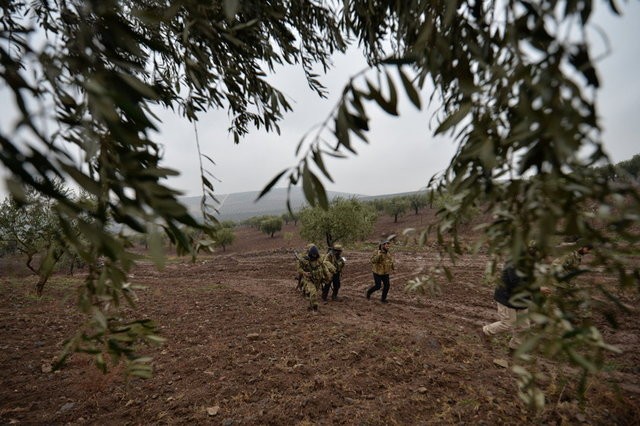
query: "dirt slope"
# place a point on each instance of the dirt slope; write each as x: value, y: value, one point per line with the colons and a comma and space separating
x: 242, y: 348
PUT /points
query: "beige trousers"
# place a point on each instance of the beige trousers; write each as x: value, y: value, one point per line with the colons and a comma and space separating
x: 510, y: 320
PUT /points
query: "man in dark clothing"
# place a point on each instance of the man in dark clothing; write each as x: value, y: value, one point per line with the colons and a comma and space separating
x: 512, y: 313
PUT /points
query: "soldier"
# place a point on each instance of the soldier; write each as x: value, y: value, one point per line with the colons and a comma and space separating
x: 569, y: 263
x: 382, y: 265
x: 576, y: 298
x: 313, y: 272
x: 335, y: 258
x: 300, y: 282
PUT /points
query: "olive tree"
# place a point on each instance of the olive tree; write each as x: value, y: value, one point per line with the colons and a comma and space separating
x: 271, y: 225
x: 32, y: 229
x: 418, y: 201
x: 224, y: 237
x: 290, y: 216
x: 631, y: 167
x: 396, y: 207
x: 346, y: 220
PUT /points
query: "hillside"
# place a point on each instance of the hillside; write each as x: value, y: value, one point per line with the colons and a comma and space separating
x: 240, y: 206
x: 242, y: 348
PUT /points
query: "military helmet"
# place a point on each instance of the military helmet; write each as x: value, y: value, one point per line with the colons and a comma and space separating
x: 337, y: 247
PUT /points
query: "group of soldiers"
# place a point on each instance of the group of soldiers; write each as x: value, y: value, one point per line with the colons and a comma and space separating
x: 319, y: 274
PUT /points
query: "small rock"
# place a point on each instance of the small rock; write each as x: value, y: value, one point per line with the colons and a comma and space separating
x: 66, y: 407
x: 253, y: 336
x: 501, y: 362
x: 422, y: 389
x: 212, y: 411
x: 46, y: 368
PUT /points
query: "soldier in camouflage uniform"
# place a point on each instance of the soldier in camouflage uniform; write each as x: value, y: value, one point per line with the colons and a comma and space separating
x: 335, y: 258
x: 313, y: 272
x: 570, y: 262
x: 300, y: 282
x: 576, y: 299
x: 382, y: 265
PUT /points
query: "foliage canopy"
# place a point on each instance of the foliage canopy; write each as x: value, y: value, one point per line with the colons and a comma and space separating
x: 33, y: 230
x: 345, y: 221
x: 271, y: 225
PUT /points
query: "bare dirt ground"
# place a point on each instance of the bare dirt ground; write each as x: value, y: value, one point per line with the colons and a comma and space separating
x: 242, y: 348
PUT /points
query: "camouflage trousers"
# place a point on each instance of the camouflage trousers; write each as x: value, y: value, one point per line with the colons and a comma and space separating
x: 312, y: 290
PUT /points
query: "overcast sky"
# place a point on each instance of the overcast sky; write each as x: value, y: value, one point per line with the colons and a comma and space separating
x: 402, y: 154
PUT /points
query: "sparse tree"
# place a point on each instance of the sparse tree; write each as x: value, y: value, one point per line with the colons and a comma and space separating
x: 227, y: 224
x: 32, y: 228
x: 224, y: 237
x: 418, y: 201
x: 271, y: 225
x: 290, y: 217
x: 378, y: 204
x: 631, y: 167
x: 254, y: 221
x: 345, y: 221
x: 396, y: 207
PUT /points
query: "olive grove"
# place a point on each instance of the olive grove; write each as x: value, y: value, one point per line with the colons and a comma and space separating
x: 512, y: 81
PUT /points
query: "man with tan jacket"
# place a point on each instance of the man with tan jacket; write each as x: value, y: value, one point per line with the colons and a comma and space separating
x: 382, y: 265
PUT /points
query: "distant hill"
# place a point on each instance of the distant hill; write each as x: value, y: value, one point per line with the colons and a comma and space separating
x: 240, y: 206
x: 367, y: 198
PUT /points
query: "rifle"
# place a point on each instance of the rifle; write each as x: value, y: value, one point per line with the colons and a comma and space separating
x: 299, y: 277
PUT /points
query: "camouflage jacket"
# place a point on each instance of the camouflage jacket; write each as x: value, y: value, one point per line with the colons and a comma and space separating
x: 382, y: 263
x: 567, y: 263
x: 317, y: 271
x: 337, y: 262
